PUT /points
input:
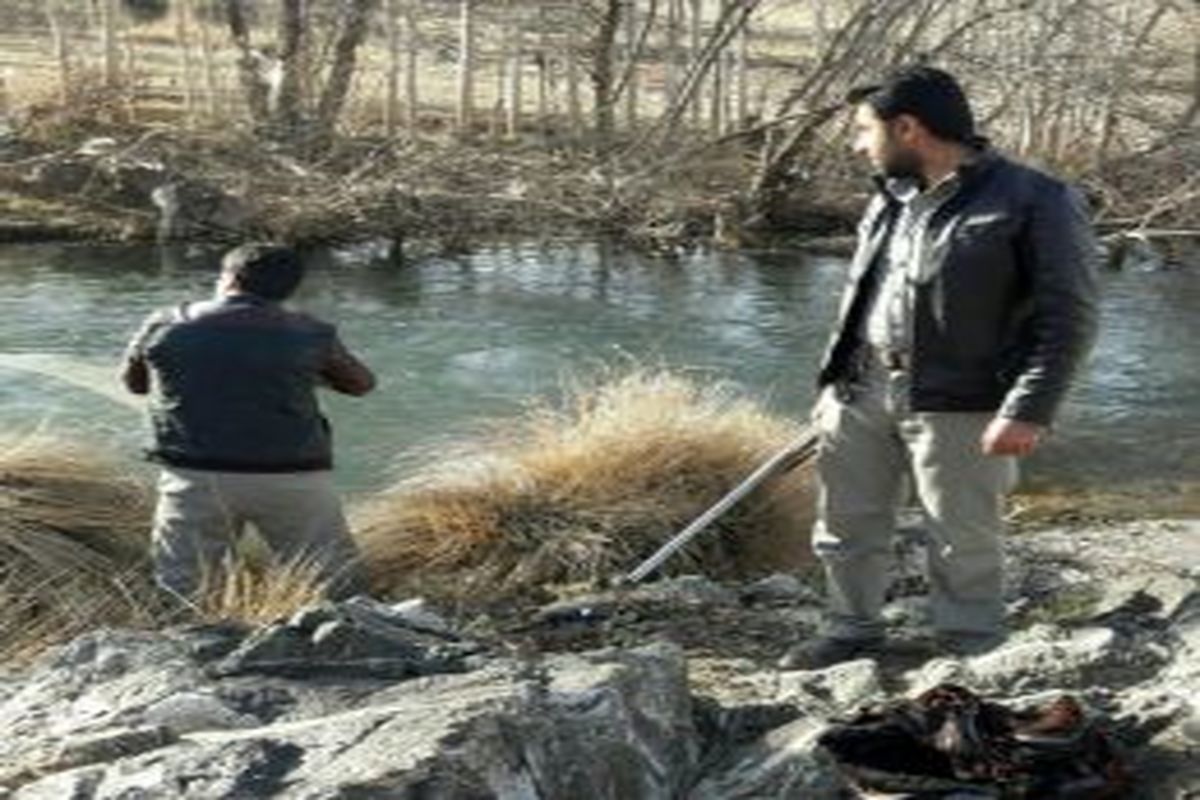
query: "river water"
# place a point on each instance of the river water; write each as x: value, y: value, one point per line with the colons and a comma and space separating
x: 460, y: 341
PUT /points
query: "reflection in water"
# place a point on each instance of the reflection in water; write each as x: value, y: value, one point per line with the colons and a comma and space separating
x: 461, y: 340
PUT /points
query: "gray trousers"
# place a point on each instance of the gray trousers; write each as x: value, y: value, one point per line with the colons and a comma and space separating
x: 201, y: 514
x: 869, y: 446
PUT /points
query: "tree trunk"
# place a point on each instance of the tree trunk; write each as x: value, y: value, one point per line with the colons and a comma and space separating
x: 391, y: 102
x: 716, y: 98
x: 672, y: 66
x: 516, y: 35
x: 543, y: 69
x: 603, y: 46
x: 286, y: 99
x: 250, y: 63
x: 1189, y: 117
x: 695, y: 35
x: 184, y: 36
x: 130, y: 69
x: 632, y: 42
x: 210, y: 67
x: 108, y: 19
x: 724, y: 29
x: 353, y: 30
x: 1120, y: 69
x: 466, y: 66
x: 411, y: 98
x: 742, y: 76
x: 574, y: 103
x: 59, y: 34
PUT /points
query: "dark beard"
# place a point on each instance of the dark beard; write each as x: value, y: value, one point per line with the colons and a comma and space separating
x: 903, y: 165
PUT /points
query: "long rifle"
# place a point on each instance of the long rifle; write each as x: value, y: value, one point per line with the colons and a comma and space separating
x: 790, y: 457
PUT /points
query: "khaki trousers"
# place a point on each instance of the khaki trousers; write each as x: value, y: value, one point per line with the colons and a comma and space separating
x: 869, y: 446
x: 201, y: 514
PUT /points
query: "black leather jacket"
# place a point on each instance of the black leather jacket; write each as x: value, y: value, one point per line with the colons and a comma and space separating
x: 1006, y: 309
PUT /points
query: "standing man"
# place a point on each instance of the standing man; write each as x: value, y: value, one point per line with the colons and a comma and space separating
x: 970, y: 304
x: 237, y: 427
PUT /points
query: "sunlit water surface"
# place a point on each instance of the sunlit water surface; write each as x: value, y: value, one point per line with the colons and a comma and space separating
x: 460, y: 342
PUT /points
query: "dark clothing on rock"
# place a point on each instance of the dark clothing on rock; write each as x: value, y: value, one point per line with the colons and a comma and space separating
x: 948, y: 742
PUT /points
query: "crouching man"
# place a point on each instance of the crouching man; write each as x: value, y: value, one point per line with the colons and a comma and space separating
x: 237, y: 428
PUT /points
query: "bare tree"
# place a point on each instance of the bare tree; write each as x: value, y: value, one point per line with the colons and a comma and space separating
x: 412, y: 49
x: 574, y: 102
x: 210, y: 66
x: 353, y: 29
x: 843, y: 59
x: 673, y: 54
x: 515, y: 64
x: 603, y: 47
x: 183, y: 37
x: 61, y: 49
x: 252, y: 66
x: 466, y: 65
x: 733, y: 16
x: 108, y: 19
x: 391, y: 102
x: 633, y: 52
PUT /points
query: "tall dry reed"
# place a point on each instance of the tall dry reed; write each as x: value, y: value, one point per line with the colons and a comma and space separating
x: 584, y: 490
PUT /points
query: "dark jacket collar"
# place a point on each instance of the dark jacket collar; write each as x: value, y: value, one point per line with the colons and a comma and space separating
x: 244, y: 299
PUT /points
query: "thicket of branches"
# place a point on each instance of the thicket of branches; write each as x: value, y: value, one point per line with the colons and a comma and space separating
x: 1107, y: 91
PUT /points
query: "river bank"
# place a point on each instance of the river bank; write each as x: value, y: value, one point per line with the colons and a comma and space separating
x: 177, y: 186
x: 444, y: 195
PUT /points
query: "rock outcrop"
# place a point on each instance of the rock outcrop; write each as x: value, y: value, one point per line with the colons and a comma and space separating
x: 367, y: 700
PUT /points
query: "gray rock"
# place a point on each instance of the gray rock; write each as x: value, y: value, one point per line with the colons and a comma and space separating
x: 785, y: 764
x: 1046, y: 657
x: 939, y: 671
x: 838, y: 688
x: 417, y: 614
x: 100, y: 681
x: 608, y: 725
x: 80, y: 750
x: 685, y: 590
x: 363, y: 637
x: 1159, y: 594
x: 779, y: 588
x: 187, y: 712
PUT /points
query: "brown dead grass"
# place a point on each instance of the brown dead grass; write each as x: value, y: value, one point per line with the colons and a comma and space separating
x: 72, y: 546
x: 1033, y: 509
x: 74, y: 550
x: 255, y: 591
x: 583, y: 491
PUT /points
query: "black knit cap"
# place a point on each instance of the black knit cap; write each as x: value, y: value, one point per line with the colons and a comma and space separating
x: 931, y: 95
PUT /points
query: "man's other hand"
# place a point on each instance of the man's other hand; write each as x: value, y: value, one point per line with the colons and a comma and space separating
x: 1010, y: 437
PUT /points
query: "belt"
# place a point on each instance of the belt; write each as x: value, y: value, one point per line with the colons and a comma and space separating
x: 890, y: 358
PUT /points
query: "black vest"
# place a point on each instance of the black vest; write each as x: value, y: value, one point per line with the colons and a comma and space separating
x: 234, y: 384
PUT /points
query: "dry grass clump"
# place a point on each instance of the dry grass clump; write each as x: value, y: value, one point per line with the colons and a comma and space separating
x: 72, y: 546
x: 257, y: 591
x: 584, y: 491
x: 74, y: 556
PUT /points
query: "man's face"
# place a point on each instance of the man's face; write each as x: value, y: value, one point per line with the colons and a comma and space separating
x: 883, y: 143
